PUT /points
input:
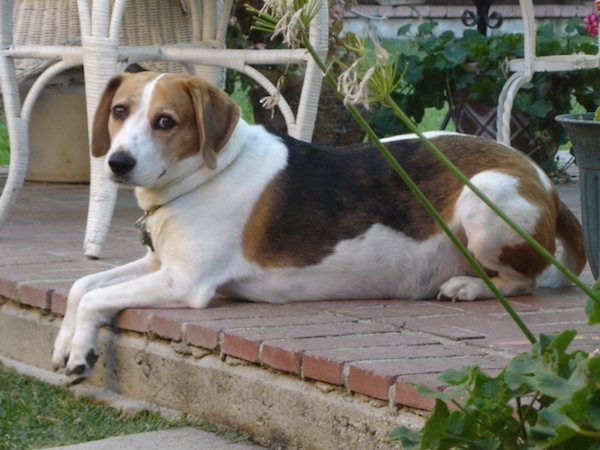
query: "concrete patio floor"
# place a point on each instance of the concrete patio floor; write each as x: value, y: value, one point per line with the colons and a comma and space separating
x: 271, y: 368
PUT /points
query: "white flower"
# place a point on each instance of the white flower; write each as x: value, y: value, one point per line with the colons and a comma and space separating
x: 354, y: 88
x: 291, y: 22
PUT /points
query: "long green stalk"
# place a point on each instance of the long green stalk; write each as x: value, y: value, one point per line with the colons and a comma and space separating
x: 464, y: 179
x: 419, y: 194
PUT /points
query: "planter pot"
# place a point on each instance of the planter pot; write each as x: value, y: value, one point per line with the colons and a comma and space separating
x: 585, y: 138
x: 58, y: 140
x: 480, y: 119
x: 58, y: 132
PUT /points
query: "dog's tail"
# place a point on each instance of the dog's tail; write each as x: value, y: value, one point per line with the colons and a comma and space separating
x: 570, y: 234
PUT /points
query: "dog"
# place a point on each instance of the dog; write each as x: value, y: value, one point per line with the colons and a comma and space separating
x: 233, y: 210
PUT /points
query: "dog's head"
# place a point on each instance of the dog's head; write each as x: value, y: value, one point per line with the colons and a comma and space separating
x: 148, y: 123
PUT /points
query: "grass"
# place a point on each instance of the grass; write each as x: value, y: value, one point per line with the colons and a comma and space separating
x: 3, y: 142
x: 34, y: 414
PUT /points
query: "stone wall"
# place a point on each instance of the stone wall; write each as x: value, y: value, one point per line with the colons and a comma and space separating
x: 385, y: 20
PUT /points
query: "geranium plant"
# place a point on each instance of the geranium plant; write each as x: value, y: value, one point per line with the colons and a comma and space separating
x: 446, y: 70
x: 546, y: 398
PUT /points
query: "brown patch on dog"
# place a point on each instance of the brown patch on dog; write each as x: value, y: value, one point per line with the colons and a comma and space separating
x: 254, y: 232
x: 100, y: 135
x: 216, y: 117
x: 525, y: 259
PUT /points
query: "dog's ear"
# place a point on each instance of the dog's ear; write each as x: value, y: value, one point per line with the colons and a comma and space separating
x: 216, y: 117
x: 100, y: 136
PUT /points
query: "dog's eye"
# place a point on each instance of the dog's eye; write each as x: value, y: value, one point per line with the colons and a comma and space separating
x: 164, y: 123
x: 119, y: 112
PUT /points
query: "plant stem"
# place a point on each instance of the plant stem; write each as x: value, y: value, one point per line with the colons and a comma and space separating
x: 523, y: 416
x: 588, y: 433
x: 467, y: 413
x: 419, y: 194
x: 464, y: 179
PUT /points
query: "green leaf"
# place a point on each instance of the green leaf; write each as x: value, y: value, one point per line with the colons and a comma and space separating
x: 427, y: 27
x: 549, y: 383
x: 575, y: 407
x: 592, y: 307
x: 594, y: 369
x: 459, y: 376
x: 428, y: 392
x: 403, y: 30
x: 435, y: 428
x: 455, y: 54
x: 486, y: 444
x: 551, y: 418
x: 559, y: 342
x: 593, y: 411
x: 592, y: 310
x: 551, y: 435
x: 410, y: 439
x: 540, y: 108
x: 517, y: 374
x: 573, y: 24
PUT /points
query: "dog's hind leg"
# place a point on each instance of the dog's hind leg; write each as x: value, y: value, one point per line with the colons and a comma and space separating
x: 495, y: 245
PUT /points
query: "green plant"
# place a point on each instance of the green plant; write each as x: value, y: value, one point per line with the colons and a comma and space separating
x: 448, y: 70
x: 546, y: 398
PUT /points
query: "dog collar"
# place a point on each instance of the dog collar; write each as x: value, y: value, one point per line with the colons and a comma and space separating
x: 141, y: 225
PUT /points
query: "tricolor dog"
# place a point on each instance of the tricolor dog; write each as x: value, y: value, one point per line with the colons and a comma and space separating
x: 234, y: 210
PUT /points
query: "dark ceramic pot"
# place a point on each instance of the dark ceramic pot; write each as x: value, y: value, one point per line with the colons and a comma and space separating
x: 585, y: 138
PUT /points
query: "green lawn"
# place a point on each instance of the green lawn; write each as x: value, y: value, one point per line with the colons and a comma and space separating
x: 35, y: 415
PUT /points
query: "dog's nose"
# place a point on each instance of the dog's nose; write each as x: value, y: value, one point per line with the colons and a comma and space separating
x: 121, y: 163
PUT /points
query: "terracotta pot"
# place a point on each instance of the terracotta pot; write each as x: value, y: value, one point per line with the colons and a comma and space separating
x: 480, y: 119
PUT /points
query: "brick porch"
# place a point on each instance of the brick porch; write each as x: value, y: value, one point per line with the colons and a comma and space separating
x: 373, y: 348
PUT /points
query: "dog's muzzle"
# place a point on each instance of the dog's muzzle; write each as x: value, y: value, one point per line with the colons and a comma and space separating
x: 121, y: 163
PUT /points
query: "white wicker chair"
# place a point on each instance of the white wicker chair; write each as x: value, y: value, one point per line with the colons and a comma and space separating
x: 47, y: 37
x: 524, y: 68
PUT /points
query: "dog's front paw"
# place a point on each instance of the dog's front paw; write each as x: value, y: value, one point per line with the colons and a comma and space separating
x: 463, y: 289
x: 79, y: 367
x: 78, y: 360
x: 61, y: 348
